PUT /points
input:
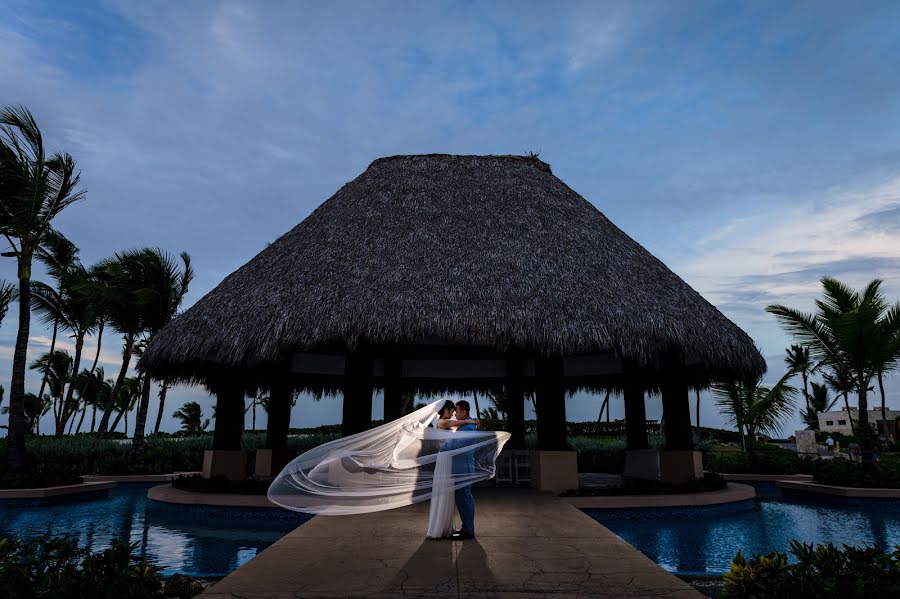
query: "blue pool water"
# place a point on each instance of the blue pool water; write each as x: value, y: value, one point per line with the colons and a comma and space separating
x: 194, y: 540
x: 705, y: 540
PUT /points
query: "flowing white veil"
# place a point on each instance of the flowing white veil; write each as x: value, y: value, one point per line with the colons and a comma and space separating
x: 396, y: 464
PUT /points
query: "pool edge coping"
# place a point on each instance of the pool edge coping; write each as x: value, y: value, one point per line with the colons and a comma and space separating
x: 833, y: 490
x: 166, y: 493
x: 58, y: 491
x: 732, y: 493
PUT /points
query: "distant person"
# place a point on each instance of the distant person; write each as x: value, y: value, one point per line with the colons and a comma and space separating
x: 829, y: 443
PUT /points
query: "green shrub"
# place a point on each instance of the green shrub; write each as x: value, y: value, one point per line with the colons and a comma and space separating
x: 822, y: 571
x: 776, y: 462
x: 844, y: 473
x: 58, y: 568
x: 40, y: 475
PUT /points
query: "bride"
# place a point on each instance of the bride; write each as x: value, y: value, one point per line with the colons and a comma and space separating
x: 399, y: 463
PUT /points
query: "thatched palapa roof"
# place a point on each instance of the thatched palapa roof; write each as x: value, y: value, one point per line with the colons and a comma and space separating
x: 490, y: 251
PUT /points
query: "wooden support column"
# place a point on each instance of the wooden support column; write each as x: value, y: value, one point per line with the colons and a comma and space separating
x: 676, y: 404
x: 226, y: 458
x: 279, y: 419
x: 515, y: 399
x: 393, y: 388
x: 229, y: 416
x: 357, y: 410
x: 551, y: 405
x: 635, y: 409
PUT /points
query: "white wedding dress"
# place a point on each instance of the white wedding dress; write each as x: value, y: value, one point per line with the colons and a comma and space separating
x: 394, y: 465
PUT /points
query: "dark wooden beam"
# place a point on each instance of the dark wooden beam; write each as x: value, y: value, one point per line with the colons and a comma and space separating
x: 279, y: 418
x: 676, y: 404
x: 551, y: 404
x: 357, y: 410
x: 635, y: 409
x: 229, y: 415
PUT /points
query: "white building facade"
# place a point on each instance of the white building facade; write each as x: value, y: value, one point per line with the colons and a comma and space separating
x: 839, y: 422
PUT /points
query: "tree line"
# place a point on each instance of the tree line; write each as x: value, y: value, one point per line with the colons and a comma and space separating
x: 134, y: 294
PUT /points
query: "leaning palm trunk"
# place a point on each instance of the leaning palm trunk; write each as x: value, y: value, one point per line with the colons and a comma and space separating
x: 140, y: 421
x: 81, y: 419
x: 127, y: 350
x: 17, y: 421
x: 849, y: 415
x: 94, y: 419
x: 164, y: 388
x: 883, y: 408
x: 70, y: 392
x: 52, y: 349
x: 863, y: 431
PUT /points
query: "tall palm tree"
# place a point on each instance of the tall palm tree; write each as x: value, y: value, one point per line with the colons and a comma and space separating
x: 73, y: 308
x: 753, y: 408
x: 798, y: 360
x: 58, y: 256
x: 166, y: 283
x: 34, y: 188
x: 191, y: 416
x: 89, y: 383
x: 849, y: 329
x: 124, y: 305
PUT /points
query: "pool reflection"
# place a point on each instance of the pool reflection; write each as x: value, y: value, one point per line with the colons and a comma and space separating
x: 185, y: 539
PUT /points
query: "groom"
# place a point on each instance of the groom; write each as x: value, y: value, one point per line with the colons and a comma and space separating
x: 464, y: 464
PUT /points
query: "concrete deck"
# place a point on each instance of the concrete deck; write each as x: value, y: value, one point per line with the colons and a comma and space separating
x: 169, y: 494
x: 529, y: 545
x: 135, y: 478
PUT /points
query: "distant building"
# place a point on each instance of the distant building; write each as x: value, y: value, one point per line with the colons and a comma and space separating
x: 839, y: 422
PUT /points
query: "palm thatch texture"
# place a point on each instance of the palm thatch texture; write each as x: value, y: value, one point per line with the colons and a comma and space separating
x: 478, y: 251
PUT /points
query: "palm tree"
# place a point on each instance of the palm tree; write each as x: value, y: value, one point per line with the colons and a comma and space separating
x: 163, y: 389
x: 798, y: 360
x: 34, y: 189
x: 840, y: 380
x: 191, y: 416
x: 753, y: 408
x: 58, y: 255
x: 165, y: 285
x: 89, y: 383
x: 73, y: 308
x: 124, y: 304
x: 34, y: 409
x: 129, y: 395
x: 850, y: 330
x: 818, y: 402
x: 57, y: 369
x: 7, y: 295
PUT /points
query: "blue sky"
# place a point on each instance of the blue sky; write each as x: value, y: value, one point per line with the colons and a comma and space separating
x: 753, y: 147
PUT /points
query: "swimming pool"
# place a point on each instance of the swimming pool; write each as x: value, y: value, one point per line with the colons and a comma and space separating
x: 194, y: 540
x: 705, y: 540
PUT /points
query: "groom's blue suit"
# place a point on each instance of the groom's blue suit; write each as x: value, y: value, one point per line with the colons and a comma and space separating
x: 465, y: 502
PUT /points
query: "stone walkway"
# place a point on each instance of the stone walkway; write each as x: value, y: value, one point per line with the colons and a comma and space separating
x: 529, y: 545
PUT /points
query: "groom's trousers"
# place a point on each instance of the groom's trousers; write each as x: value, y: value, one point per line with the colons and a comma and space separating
x: 465, y: 503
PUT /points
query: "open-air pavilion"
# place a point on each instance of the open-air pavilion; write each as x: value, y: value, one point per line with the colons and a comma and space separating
x: 440, y: 273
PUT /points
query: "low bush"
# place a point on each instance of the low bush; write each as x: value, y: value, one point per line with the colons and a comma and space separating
x: 39, y: 476
x: 58, y: 568
x: 822, y: 571
x: 845, y: 473
x: 776, y: 462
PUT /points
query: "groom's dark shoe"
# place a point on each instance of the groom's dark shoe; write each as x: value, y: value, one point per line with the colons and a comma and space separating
x: 459, y: 535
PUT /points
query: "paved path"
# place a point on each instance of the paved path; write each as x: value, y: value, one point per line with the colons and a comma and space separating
x: 529, y: 545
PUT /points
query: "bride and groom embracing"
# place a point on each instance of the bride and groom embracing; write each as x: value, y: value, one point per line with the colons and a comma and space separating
x: 453, y: 417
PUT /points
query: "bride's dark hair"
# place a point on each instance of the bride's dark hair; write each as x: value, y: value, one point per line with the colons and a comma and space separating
x: 448, y: 405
